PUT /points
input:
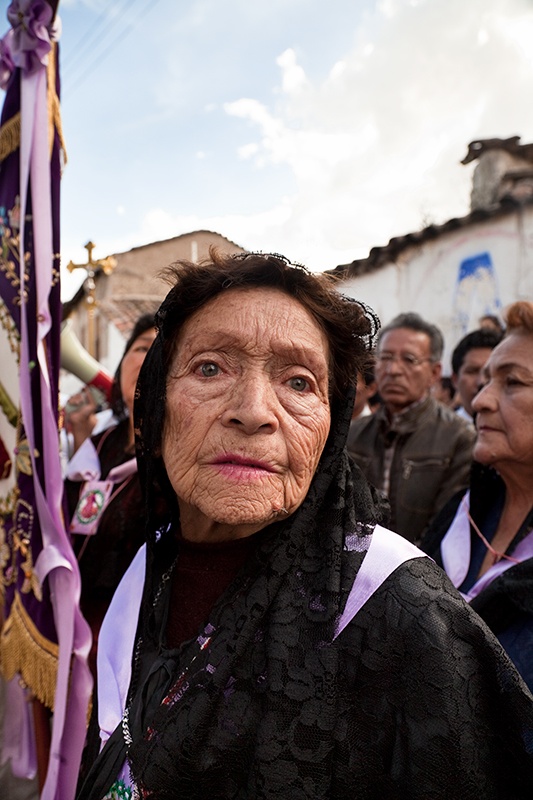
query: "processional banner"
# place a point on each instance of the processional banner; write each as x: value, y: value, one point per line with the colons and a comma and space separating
x: 44, y: 640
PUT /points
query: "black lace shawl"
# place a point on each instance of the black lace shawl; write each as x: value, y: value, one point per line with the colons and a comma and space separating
x: 415, y: 699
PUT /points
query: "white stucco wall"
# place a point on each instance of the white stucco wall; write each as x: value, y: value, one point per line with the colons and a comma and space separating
x: 456, y: 278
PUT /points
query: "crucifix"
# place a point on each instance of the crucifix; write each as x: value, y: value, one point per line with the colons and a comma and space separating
x: 107, y: 265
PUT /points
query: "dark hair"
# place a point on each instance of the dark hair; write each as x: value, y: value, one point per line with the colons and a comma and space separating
x: 350, y: 328
x: 482, y: 337
x: 416, y: 323
x: 494, y: 323
x: 144, y: 323
x: 368, y: 373
x: 447, y: 385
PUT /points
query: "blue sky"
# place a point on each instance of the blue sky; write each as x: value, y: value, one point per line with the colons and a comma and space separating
x: 314, y: 129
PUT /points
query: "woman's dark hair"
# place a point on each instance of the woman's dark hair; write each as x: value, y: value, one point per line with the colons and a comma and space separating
x: 350, y: 327
x: 118, y: 406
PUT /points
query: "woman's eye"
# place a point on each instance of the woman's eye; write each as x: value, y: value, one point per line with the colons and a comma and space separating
x: 209, y: 370
x: 298, y: 383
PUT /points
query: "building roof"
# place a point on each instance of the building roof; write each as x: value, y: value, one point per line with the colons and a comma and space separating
x: 511, y: 145
x: 380, y: 256
x: 516, y: 191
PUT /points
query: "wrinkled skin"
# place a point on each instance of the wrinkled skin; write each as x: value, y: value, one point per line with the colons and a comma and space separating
x: 247, y: 412
x: 504, y: 410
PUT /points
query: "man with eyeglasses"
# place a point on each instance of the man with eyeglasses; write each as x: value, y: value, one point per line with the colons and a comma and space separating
x: 414, y: 449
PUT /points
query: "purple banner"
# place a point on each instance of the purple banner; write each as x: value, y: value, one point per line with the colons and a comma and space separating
x: 44, y: 638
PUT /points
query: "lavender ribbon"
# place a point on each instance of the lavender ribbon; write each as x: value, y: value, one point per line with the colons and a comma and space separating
x: 455, y: 546
x: 455, y: 553
x: 56, y: 560
x: 387, y: 551
x: 85, y: 466
x: 30, y: 45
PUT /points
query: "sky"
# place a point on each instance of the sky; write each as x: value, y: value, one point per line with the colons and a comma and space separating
x: 317, y: 130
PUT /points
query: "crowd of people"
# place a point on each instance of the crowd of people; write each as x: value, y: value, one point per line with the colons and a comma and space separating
x: 306, y: 558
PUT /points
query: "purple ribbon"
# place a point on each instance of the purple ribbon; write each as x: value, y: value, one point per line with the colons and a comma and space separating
x: 30, y: 44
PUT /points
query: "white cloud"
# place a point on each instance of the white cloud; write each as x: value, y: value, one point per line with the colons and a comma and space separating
x: 375, y: 147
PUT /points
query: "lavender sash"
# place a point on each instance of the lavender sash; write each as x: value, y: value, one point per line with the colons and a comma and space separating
x: 455, y: 553
x: 85, y: 466
x: 115, y: 646
x: 387, y: 551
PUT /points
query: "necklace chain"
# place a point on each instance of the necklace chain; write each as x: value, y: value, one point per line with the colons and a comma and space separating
x: 497, y: 555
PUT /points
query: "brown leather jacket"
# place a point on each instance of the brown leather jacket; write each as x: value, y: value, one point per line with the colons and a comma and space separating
x: 431, y: 461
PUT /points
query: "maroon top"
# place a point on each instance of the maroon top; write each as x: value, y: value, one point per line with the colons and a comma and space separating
x: 203, y: 571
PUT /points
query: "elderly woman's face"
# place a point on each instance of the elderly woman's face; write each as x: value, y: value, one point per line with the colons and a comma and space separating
x: 504, y: 407
x: 247, y: 412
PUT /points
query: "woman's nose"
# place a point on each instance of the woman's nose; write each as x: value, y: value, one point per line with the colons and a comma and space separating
x: 253, y: 406
x: 484, y: 399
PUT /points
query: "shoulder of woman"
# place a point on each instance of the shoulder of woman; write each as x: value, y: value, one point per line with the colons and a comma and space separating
x: 416, y: 602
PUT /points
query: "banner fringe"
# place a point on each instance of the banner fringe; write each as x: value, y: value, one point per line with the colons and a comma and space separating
x: 25, y: 651
x: 10, y: 136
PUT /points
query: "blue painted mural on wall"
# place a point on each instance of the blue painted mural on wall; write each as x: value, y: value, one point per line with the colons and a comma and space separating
x: 476, y: 292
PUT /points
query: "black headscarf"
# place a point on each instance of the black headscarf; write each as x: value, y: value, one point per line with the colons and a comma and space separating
x: 280, y: 611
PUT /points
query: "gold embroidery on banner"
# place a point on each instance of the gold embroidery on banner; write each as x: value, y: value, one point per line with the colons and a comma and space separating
x: 5, y: 557
x: 23, y: 457
x: 8, y: 406
x: 8, y: 324
x: 7, y: 503
x: 9, y: 257
x: 18, y: 542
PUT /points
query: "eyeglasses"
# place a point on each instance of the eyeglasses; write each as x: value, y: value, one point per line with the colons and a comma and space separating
x: 407, y: 360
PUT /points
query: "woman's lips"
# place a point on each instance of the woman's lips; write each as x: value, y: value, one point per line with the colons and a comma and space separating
x: 487, y: 429
x: 233, y: 465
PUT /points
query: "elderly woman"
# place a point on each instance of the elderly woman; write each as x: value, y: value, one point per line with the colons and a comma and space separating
x: 484, y: 537
x: 286, y: 646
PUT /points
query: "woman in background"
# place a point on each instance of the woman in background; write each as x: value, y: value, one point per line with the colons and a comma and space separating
x: 102, y: 488
x: 484, y: 537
